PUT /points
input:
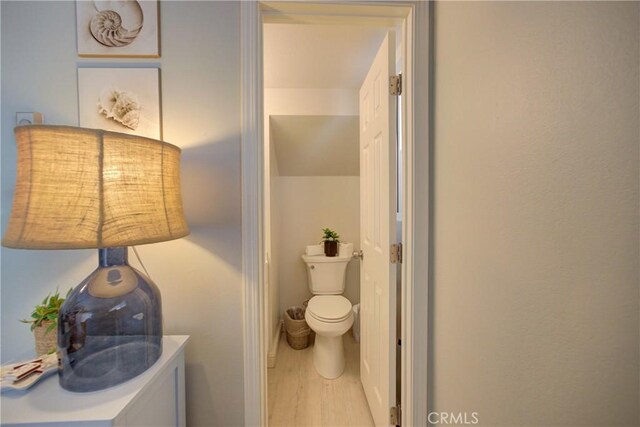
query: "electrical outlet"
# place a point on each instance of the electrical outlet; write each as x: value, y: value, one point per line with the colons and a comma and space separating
x: 29, y: 119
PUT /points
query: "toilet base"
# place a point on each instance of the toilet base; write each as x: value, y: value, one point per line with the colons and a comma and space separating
x: 328, y: 356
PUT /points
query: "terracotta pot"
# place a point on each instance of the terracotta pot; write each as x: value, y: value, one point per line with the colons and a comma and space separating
x: 331, y: 248
x: 45, y: 342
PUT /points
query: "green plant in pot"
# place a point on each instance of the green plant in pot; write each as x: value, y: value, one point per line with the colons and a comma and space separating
x: 331, y: 240
x: 44, y: 323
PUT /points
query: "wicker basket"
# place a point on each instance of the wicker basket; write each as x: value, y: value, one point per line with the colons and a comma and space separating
x: 296, y: 327
x: 45, y: 342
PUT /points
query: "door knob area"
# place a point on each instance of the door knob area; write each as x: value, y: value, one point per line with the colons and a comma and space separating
x: 358, y: 254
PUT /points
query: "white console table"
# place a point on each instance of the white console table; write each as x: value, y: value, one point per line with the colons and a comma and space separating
x: 154, y: 398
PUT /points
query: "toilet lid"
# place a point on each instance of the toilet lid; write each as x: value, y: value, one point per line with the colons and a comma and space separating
x: 329, y: 308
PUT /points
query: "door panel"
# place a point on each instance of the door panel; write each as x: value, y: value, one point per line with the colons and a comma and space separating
x: 378, y: 207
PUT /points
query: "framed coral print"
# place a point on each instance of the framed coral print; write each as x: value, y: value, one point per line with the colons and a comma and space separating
x: 117, y: 28
x: 125, y: 100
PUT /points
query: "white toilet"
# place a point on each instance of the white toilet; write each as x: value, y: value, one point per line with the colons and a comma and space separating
x: 329, y: 314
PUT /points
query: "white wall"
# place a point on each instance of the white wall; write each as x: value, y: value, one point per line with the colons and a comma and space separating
x: 199, y: 276
x: 310, y: 102
x: 536, y: 283
x: 307, y: 205
x: 305, y: 102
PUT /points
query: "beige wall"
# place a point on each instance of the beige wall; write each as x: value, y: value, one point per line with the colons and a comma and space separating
x: 199, y: 276
x: 536, y: 240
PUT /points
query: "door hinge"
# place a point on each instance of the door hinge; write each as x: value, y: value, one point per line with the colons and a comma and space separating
x: 396, y: 253
x: 395, y: 415
x: 395, y: 85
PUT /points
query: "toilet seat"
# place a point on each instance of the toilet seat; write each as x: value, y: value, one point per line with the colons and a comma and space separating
x: 329, y: 308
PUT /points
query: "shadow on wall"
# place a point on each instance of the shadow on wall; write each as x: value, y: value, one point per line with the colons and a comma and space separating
x: 206, y: 305
x: 211, y: 197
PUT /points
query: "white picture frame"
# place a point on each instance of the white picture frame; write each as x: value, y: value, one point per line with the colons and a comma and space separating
x: 125, y: 100
x: 118, y: 28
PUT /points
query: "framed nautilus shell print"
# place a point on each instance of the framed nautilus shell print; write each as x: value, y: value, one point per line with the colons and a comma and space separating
x: 117, y: 28
x: 125, y: 100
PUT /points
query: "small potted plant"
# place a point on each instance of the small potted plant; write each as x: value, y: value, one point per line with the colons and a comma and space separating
x: 331, y: 240
x: 44, y: 322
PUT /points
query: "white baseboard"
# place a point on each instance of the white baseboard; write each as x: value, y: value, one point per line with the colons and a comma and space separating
x: 273, y: 348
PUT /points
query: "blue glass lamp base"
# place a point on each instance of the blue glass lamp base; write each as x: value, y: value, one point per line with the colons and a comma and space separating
x: 110, y: 327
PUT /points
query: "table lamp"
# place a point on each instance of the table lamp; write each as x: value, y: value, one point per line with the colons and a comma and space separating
x: 83, y: 188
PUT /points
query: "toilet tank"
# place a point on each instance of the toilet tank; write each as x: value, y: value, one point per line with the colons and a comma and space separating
x: 326, y: 275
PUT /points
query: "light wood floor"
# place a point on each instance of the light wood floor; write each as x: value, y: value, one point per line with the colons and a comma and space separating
x: 298, y: 396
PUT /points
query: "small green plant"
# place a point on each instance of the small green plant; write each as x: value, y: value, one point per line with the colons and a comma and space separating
x: 47, y: 310
x: 330, y: 235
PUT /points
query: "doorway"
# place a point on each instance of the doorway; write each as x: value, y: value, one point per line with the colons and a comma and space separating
x: 315, y: 172
x: 414, y: 18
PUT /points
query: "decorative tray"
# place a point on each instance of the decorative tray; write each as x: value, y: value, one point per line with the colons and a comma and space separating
x: 21, y: 376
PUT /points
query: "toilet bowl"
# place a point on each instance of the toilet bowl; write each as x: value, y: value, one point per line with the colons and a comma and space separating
x: 330, y: 317
x: 328, y: 313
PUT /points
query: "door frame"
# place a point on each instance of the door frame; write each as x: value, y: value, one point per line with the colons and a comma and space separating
x: 415, y: 16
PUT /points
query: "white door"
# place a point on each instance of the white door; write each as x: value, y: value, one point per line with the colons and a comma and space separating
x: 378, y: 207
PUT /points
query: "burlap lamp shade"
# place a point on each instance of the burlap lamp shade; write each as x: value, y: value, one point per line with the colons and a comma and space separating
x: 84, y: 188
